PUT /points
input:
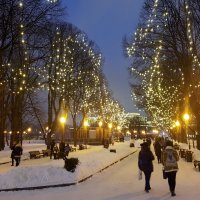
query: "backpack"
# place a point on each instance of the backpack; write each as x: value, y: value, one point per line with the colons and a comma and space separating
x: 170, y: 159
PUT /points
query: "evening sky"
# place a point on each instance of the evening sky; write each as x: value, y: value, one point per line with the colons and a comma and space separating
x: 106, y: 22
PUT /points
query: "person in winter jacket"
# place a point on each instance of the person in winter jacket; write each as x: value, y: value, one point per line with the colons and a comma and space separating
x: 169, y: 159
x: 56, y: 152
x: 158, y: 149
x: 12, y: 153
x: 145, y: 163
x: 17, y: 153
x: 62, y: 149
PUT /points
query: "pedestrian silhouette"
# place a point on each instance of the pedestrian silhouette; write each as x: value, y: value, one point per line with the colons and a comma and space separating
x: 17, y: 153
x: 169, y: 159
x: 12, y: 153
x: 145, y: 163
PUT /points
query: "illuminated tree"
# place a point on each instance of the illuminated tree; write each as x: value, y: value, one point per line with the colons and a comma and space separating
x: 82, y: 80
x: 21, y: 44
x: 165, y: 52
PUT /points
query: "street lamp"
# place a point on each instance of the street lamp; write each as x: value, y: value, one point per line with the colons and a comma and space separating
x: 119, y: 128
x: 86, y: 124
x: 63, y: 121
x: 186, y: 118
x: 100, y: 125
x: 29, y: 131
x: 110, y: 125
x: 177, y: 125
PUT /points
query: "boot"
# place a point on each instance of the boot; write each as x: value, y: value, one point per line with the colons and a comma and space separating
x: 173, y: 193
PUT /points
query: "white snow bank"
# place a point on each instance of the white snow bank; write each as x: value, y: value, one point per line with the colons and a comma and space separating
x: 44, y: 171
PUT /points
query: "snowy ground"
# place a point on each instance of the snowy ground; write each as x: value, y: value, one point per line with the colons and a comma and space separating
x: 46, y: 171
x: 118, y: 182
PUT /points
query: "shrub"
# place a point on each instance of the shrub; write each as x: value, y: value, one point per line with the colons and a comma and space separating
x: 70, y: 164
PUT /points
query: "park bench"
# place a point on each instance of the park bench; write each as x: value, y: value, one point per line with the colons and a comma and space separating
x: 188, y: 156
x: 182, y: 153
x: 46, y: 152
x: 82, y: 146
x: 113, y: 150
x: 35, y: 154
x: 72, y: 149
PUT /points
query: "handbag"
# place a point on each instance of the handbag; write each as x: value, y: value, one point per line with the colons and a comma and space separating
x: 139, y: 174
x: 164, y: 174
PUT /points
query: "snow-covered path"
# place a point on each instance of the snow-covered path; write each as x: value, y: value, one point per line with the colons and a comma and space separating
x: 120, y: 182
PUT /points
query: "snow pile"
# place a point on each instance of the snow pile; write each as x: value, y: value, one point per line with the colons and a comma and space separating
x: 35, y: 176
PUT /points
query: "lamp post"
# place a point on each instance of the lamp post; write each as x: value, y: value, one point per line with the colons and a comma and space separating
x: 29, y: 131
x: 110, y: 132
x: 186, y: 118
x: 110, y: 127
x: 86, y: 124
x: 63, y: 121
x: 100, y: 125
x: 177, y: 124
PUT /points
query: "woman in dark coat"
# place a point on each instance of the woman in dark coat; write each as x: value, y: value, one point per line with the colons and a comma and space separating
x: 158, y: 149
x: 17, y: 153
x: 145, y: 163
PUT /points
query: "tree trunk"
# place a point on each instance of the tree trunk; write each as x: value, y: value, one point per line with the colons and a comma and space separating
x: 198, y: 131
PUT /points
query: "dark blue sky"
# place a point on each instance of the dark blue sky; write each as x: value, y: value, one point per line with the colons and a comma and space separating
x: 106, y: 22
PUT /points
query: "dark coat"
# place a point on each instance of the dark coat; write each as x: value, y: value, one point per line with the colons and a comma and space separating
x: 157, y: 148
x: 17, y: 151
x: 13, y: 152
x: 62, y: 147
x: 145, y: 159
x: 52, y: 144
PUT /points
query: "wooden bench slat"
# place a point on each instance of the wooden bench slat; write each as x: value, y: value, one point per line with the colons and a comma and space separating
x: 35, y: 154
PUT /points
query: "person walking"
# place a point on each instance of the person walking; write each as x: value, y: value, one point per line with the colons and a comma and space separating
x: 62, y: 149
x: 169, y: 160
x: 17, y: 153
x: 145, y: 163
x: 52, y: 144
x: 12, y: 153
x: 158, y: 149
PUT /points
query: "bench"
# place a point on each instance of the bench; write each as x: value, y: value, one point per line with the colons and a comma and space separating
x: 188, y: 156
x: 113, y: 150
x: 46, y: 152
x: 182, y: 153
x: 82, y: 146
x: 72, y: 149
x: 35, y: 154
x: 197, y: 164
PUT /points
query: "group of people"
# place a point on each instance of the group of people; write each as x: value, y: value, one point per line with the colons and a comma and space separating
x: 16, y: 153
x: 59, y: 152
x: 166, y: 155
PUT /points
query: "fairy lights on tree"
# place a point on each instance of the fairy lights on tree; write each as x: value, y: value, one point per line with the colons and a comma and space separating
x: 165, y: 55
x: 40, y: 53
